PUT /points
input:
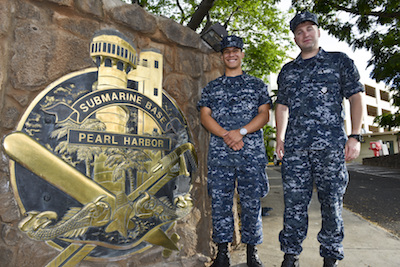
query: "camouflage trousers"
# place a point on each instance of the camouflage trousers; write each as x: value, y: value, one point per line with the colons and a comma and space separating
x: 252, y: 185
x: 300, y: 169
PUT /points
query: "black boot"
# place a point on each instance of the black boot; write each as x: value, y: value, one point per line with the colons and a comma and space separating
x: 330, y: 262
x: 223, y: 259
x: 252, y: 257
x: 290, y: 260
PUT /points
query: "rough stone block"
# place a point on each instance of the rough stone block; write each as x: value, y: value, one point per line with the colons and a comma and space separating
x: 134, y: 17
x: 32, y: 51
x: 5, y: 186
x: 174, y: 85
x: 5, y: 17
x: 80, y: 26
x: 189, y: 63
x: 109, y: 4
x: 36, y: 252
x: 59, y: 2
x: 9, y: 117
x: 6, y: 256
x: 176, y: 33
x: 9, y: 211
x: 28, y: 11
x: 69, y: 53
x: 11, y: 235
x: 3, y: 72
x: 21, y: 97
x: 94, y: 7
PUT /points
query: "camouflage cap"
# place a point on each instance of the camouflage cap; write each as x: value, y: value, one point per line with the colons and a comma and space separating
x: 231, y: 41
x: 302, y: 17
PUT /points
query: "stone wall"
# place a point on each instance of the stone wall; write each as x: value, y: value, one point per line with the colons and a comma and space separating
x: 43, y: 40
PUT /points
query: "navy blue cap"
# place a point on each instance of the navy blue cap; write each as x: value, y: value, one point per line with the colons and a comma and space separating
x: 231, y: 41
x: 302, y: 17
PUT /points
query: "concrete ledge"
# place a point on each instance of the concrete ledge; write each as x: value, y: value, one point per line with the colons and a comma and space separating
x: 389, y: 161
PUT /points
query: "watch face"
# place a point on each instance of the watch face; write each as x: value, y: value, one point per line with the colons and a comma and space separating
x: 243, y: 131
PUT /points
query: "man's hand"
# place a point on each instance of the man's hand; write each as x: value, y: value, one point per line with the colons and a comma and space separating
x: 233, y: 139
x: 280, y: 151
x: 281, y: 119
x: 352, y: 149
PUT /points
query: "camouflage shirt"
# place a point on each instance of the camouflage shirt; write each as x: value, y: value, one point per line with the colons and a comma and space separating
x: 313, y: 89
x: 234, y: 102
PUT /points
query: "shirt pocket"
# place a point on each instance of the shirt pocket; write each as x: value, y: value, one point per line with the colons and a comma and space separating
x: 326, y: 85
x: 220, y: 106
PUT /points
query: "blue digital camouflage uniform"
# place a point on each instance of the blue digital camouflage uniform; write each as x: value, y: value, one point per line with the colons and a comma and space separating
x: 313, y: 89
x: 234, y: 102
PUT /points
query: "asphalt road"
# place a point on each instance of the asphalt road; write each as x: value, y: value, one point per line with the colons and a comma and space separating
x: 374, y: 193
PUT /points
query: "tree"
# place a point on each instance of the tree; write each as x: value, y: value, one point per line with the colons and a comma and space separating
x: 388, y: 121
x: 370, y: 24
x: 258, y: 22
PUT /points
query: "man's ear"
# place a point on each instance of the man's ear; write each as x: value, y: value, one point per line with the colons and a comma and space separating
x: 295, y: 40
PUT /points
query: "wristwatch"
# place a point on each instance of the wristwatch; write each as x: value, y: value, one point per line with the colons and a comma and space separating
x: 243, y: 131
x: 358, y: 137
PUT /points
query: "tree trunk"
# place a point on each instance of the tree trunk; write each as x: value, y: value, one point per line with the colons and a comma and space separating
x: 200, y: 13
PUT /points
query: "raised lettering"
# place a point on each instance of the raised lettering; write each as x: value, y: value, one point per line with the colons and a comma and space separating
x: 147, y: 142
x: 98, y: 139
x: 83, y: 107
x: 97, y: 100
x: 134, y: 142
x: 114, y: 96
x: 148, y: 105
x: 113, y: 140
x: 90, y: 103
x: 154, y: 143
x: 154, y: 110
x: 81, y: 137
x: 126, y: 140
x: 105, y: 97
x: 141, y: 142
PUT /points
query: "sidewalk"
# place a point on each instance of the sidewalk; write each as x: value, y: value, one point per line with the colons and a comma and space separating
x: 364, y: 244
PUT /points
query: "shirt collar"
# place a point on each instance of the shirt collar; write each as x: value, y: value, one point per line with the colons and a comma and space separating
x: 244, y: 76
x: 319, y: 56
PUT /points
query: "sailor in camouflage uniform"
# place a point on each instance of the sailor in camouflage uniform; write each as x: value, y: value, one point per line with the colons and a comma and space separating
x: 309, y: 110
x: 233, y: 108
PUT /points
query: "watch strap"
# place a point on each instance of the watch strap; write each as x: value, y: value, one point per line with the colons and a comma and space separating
x: 358, y: 137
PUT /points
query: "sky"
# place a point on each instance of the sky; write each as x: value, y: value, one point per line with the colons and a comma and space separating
x: 330, y: 43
